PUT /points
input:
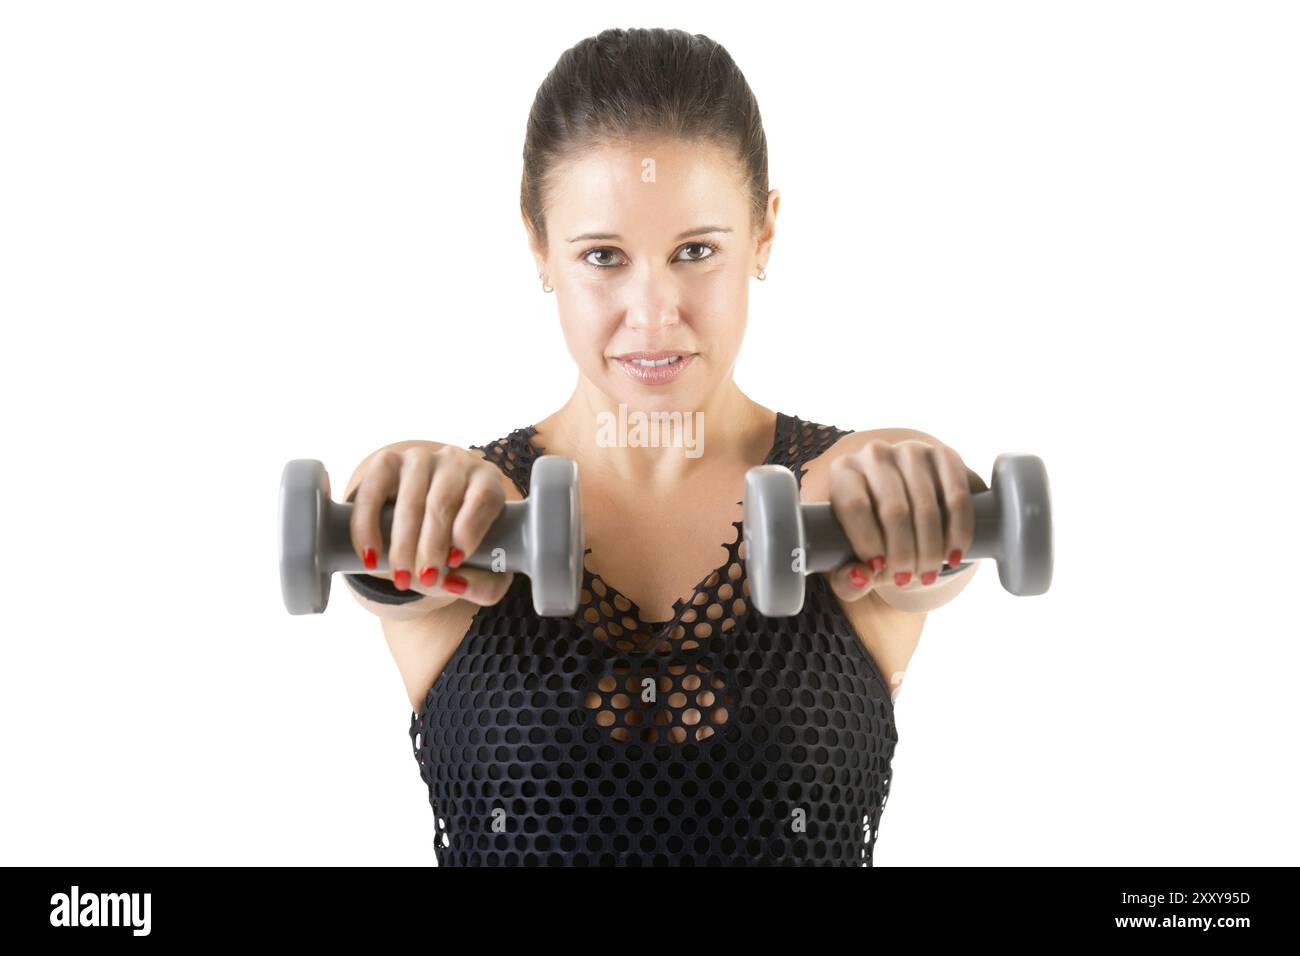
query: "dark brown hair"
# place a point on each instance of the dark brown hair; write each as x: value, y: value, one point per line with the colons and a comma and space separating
x: 621, y: 84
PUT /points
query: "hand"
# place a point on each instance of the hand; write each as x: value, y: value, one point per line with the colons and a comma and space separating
x: 445, y: 499
x: 906, y: 510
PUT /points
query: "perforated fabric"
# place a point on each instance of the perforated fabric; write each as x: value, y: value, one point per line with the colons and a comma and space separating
x: 720, y: 737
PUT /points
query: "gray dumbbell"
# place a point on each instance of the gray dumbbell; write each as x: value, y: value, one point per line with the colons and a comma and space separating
x: 540, y: 536
x: 1013, y: 525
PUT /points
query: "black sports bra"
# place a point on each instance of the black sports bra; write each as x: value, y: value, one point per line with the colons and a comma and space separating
x: 720, y: 737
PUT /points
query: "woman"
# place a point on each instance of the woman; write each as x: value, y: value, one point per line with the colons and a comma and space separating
x: 667, y: 722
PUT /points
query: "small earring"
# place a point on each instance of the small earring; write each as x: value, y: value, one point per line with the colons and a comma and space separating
x: 545, y: 286
x: 762, y: 274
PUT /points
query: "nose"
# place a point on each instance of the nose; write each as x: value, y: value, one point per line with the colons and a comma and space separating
x: 652, y: 301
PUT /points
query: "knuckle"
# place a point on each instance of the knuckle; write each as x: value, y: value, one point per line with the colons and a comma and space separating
x: 911, y: 451
x: 856, y: 508
x: 926, y: 513
x: 483, y: 497
x: 449, y: 455
x: 443, y: 501
x: 894, y: 513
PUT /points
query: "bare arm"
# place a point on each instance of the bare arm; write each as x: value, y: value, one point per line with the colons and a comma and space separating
x: 423, y: 627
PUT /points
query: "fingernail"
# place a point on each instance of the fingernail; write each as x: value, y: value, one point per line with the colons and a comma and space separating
x: 857, y: 577
x: 877, y: 564
x: 402, y: 579
x: 454, y: 557
x: 429, y: 577
x: 455, y: 584
x: 369, y: 557
x: 929, y: 576
x: 902, y: 577
x: 954, y: 558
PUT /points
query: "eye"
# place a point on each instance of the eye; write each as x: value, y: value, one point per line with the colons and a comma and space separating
x: 708, y: 248
x: 702, y: 245
x: 598, y: 265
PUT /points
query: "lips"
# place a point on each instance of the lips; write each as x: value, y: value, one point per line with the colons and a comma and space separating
x: 657, y: 356
x: 654, y: 368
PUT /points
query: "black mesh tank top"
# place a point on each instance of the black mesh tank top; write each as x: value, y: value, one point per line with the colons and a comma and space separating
x: 720, y: 737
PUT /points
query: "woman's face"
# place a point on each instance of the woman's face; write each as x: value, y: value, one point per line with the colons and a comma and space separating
x: 650, y: 249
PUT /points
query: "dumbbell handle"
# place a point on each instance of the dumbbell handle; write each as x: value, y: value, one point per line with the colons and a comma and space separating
x: 506, y: 533
x: 829, y: 548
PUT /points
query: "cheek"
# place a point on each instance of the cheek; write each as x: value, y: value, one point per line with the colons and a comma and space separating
x: 589, y: 312
x: 587, y: 327
x: 722, y: 312
x: 720, y: 292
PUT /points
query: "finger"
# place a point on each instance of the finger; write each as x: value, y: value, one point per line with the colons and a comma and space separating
x: 893, y: 510
x: 476, y: 585
x: 918, y: 471
x: 958, y: 504
x: 483, y: 502
x: 377, y: 487
x: 851, y: 582
x: 851, y: 504
x: 408, y: 513
x: 444, y: 495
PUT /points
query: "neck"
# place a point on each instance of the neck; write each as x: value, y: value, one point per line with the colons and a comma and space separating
x: 653, y: 445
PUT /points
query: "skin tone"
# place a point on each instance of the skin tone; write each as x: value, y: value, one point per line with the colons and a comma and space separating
x: 648, y: 289
x: 648, y: 266
x: 641, y: 265
x: 631, y: 273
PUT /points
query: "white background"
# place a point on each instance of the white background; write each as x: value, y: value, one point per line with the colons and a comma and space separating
x: 233, y: 233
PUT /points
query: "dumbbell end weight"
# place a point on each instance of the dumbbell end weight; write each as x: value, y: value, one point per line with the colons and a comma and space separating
x: 774, y: 537
x: 551, y: 536
x: 304, y: 493
x: 1013, y: 523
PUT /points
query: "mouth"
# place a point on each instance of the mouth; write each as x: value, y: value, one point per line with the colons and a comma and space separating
x: 654, y: 368
x: 652, y: 359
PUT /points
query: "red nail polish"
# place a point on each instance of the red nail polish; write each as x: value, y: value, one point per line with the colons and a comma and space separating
x: 902, y: 577
x: 454, y: 557
x: 429, y: 577
x: 368, y: 556
x: 402, y: 579
x: 455, y: 584
x: 877, y: 564
x: 954, y: 558
x: 857, y: 577
x: 929, y: 577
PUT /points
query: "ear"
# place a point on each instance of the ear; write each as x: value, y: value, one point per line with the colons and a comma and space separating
x: 768, y: 231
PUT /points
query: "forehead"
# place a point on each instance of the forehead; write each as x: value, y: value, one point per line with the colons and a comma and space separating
x: 645, y: 187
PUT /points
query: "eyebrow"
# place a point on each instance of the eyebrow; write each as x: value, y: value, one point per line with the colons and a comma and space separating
x: 697, y: 231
